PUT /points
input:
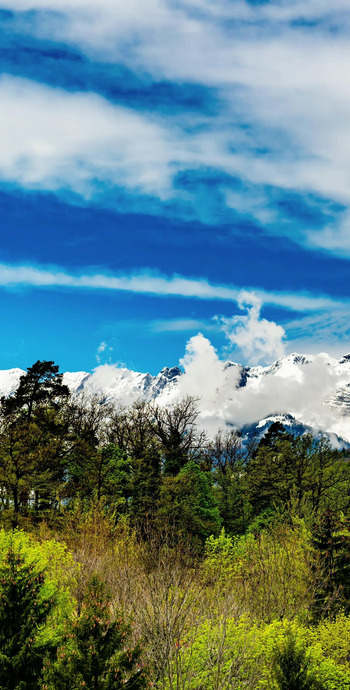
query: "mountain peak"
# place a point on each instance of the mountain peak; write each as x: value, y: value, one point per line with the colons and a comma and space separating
x: 315, y: 397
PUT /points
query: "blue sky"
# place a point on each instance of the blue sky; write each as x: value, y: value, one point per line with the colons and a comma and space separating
x: 170, y: 167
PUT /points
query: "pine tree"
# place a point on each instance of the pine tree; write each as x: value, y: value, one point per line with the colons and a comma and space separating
x: 145, y: 486
x: 32, y: 445
x: 42, y: 384
x: 331, y: 540
x: 23, y: 610
x: 95, y: 653
x: 292, y: 667
x: 188, y: 504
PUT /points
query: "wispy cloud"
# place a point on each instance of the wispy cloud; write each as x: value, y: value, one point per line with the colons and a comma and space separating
x: 79, y: 142
x: 179, y: 325
x: 278, y: 75
x: 149, y: 283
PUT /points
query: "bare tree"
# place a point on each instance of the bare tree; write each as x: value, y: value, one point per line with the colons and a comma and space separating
x: 176, y: 429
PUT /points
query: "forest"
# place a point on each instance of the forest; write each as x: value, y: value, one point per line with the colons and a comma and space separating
x: 136, y: 552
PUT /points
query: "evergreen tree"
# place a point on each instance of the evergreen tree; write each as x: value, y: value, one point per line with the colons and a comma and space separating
x: 102, y: 473
x: 95, y: 653
x: 331, y: 540
x: 292, y: 667
x: 226, y: 458
x: 284, y: 465
x: 32, y: 440
x: 145, y: 486
x: 187, y: 502
x: 42, y: 385
x: 23, y: 610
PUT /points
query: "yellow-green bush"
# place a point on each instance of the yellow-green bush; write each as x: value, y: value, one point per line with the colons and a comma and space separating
x: 272, y: 574
x: 57, y: 563
x: 239, y: 653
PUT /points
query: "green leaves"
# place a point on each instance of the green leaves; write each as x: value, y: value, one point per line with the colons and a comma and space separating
x: 95, y: 652
x: 24, y: 609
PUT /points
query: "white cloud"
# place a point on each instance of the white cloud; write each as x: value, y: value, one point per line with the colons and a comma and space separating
x: 177, y: 325
x: 101, y: 351
x: 258, y: 340
x: 292, y: 387
x: 287, y: 83
x: 204, y: 378
x: 148, y: 283
x: 58, y: 140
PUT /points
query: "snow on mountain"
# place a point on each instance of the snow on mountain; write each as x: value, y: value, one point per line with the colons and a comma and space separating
x: 120, y: 385
x: 303, y: 391
x: 9, y: 380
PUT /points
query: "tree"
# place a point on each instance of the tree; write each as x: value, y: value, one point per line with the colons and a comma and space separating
x: 306, y: 469
x: 23, y: 610
x: 292, y: 668
x: 32, y: 439
x: 175, y: 429
x: 187, y: 502
x: 331, y: 541
x: 270, y: 470
x: 145, y: 486
x: 100, y: 473
x: 132, y: 431
x: 42, y: 385
x: 226, y: 458
x: 95, y: 653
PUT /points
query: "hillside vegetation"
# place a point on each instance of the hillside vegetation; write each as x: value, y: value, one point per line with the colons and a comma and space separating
x: 135, y: 552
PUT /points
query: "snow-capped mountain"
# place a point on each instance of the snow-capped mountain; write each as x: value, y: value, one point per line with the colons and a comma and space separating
x: 303, y: 391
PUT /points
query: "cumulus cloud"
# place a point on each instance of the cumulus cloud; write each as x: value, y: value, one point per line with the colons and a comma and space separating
x: 294, y: 386
x: 204, y: 379
x: 257, y: 340
x: 200, y: 358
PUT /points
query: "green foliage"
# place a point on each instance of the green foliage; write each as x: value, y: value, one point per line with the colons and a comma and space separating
x: 292, y: 667
x: 52, y: 558
x: 226, y: 458
x: 218, y: 654
x: 102, y: 473
x: 236, y: 652
x: 24, y: 610
x: 299, y: 468
x: 32, y: 444
x: 205, y: 545
x: 292, y: 649
x: 175, y: 430
x: 145, y: 485
x: 94, y: 652
x: 332, y: 637
x: 331, y: 540
x: 187, y: 502
x: 40, y: 386
x: 271, y: 573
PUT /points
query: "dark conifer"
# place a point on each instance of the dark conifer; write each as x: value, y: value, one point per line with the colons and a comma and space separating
x: 292, y: 667
x: 95, y: 653
x: 41, y: 385
x: 331, y: 540
x: 23, y: 610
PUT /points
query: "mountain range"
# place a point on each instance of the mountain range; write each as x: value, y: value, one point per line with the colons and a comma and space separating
x: 305, y: 392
